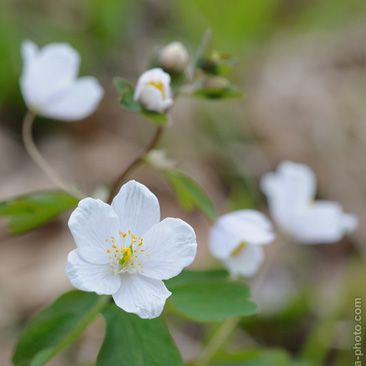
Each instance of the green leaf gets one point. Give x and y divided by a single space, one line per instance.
129 104
57 327
189 194
212 93
132 341
27 212
209 297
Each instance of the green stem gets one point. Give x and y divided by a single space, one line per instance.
133 164
219 338
39 159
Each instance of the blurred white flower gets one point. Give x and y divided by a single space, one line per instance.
174 57
50 86
153 90
236 239
125 251
290 193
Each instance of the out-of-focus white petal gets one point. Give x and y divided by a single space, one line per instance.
153 90
171 245
350 222
232 229
247 262
137 208
49 85
320 222
292 186
92 222
76 101
91 277
141 295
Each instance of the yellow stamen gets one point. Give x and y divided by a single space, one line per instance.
239 249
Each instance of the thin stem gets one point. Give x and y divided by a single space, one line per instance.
39 159
134 163
218 339
229 325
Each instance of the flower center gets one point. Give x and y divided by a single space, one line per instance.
239 249
159 85
125 252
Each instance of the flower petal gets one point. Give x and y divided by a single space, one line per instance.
247 262
321 222
137 207
153 75
236 227
74 102
92 222
292 186
171 246
47 71
91 277
141 295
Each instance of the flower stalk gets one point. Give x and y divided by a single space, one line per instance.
36 156
134 164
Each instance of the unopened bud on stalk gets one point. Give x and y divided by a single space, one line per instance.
174 57
153 91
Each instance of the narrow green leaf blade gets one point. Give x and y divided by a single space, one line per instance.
209 296
30 211
189 193
56 327
132 341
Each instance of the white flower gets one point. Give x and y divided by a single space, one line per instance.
158 158
174 57
153 90
290 192
125 251
49 84
237 238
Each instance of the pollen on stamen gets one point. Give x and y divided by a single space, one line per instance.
114 246
108 251
106 240
132 263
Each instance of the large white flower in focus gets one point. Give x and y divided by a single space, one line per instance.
153 90
50 86
290 193
124 250
236 239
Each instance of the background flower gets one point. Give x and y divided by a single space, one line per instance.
153 90
125 251
237 238
291 192
50 86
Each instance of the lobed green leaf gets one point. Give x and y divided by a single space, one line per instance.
30 211
56 327
209 296
132 341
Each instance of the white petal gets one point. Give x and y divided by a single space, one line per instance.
74 102
152 99
171 245
141 295
91 277
321 222
138 209
292 186
236 227
92 222
47 71
350 223
153 75
246 263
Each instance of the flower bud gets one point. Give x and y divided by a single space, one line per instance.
174 57
153 91
216 83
